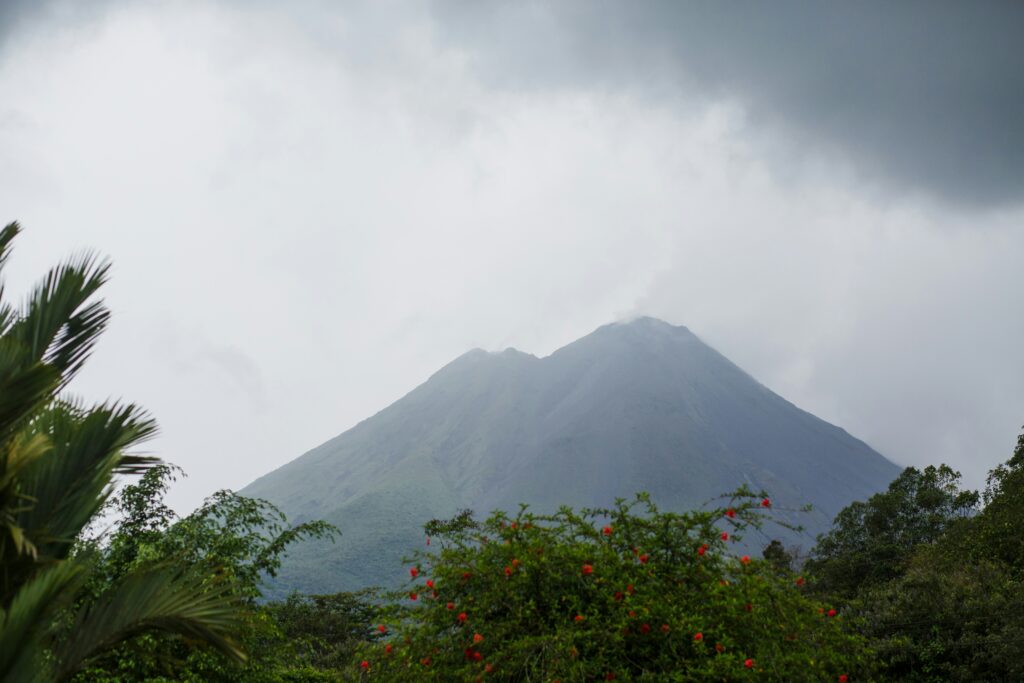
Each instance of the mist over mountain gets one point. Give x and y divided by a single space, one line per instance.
637 406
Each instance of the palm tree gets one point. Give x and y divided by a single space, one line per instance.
58 461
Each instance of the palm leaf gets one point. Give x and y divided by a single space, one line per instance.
158 599
70 484
24 624
57 324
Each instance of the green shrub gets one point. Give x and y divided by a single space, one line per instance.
607 595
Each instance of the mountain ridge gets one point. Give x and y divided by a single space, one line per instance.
639 405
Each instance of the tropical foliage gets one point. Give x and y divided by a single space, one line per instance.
629 593
58 461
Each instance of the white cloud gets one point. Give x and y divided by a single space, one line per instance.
307 218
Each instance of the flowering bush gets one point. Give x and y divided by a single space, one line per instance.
615 594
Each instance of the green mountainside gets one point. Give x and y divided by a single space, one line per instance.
639 406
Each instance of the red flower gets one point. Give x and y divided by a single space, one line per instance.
644 628
629 589
515 562
725 535
477 657
477 638
607 531
745 559
632 613
462 617
430 583
619 596
843 678
766 503
450 605
730 513
800 581
579 617
749 663
643 558
665 628
703 549
382 628
425 661
587 569
466 576
387 648
488 667
831 612
749 607
719 648
508 571
513 525
414 572
364 664
698 636
609 677
413 596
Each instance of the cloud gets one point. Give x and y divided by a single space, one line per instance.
922 97
312 209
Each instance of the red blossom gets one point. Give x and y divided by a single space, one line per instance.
508 571
413 596
477 657
387 648
619 596
766 503
425 661
749 607
665 628
579 617
364 664
382 628
629 589
645 628
831 612
607 531
643 558
730 513
843 678
488 667
749 663
477 638
719 648
414 572
698 636
800 581
588 569
450 605
430 583
462 617
632 613
466 576
609 677
703 549
725 535
745 559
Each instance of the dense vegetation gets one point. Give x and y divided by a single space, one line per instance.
922 582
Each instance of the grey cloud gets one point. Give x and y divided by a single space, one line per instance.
928 96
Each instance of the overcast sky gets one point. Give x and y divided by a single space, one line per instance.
312 206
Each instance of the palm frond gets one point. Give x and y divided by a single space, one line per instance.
24 624
158 599
72 482
57 324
